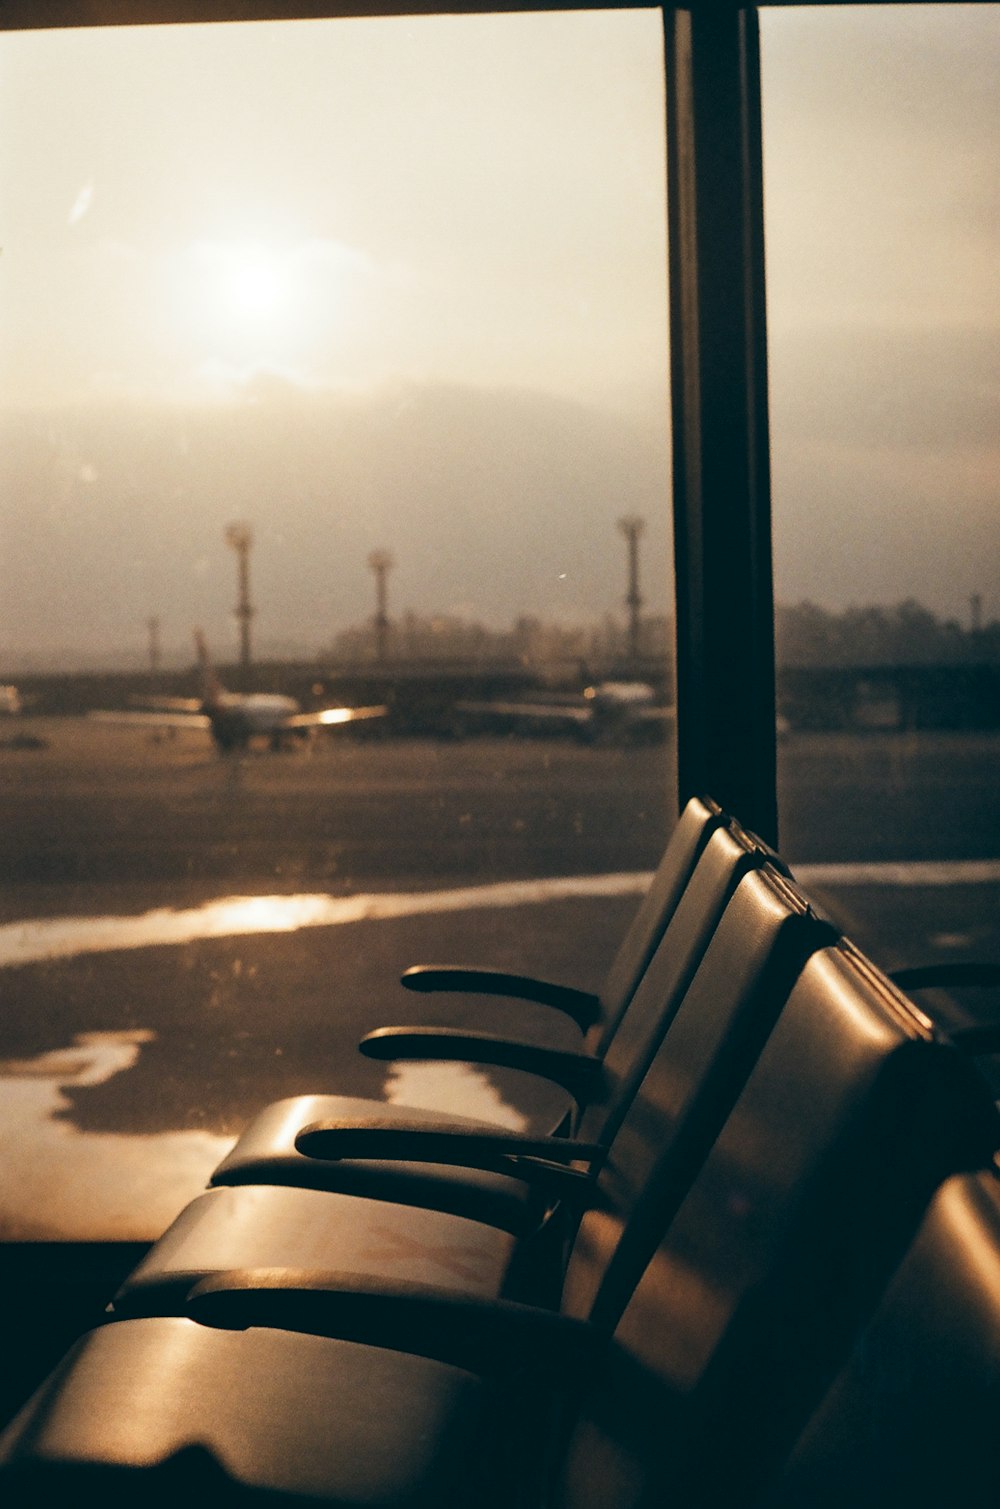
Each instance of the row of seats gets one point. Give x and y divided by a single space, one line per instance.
756 1262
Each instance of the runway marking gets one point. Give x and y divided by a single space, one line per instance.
905 873
35 940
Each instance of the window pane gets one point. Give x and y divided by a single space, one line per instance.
389 297
883 231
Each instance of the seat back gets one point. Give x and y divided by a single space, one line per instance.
698 821
734 1308
728 855
913 1415
675 1089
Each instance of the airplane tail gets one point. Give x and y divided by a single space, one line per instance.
212 690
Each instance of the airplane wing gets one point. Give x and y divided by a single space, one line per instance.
158 704
613 712
331 717
165 719
656 713
528 714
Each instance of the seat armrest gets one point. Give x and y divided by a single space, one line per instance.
547 1160
581 1006
958 973
978 1041
486 1336
578 1073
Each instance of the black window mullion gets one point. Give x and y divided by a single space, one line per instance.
722 512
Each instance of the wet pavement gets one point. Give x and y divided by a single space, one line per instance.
183 939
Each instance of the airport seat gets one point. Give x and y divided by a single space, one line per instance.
912 1415
702 1323
681 1086
599 1081
854 1115
598 1016
699 819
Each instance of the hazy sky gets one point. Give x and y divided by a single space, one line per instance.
342 201
282 230
882 136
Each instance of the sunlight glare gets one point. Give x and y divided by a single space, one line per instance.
254 283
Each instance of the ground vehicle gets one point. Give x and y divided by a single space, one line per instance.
721 493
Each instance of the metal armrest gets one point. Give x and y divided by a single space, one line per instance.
545 1160
976 1041
486 1336
578 1073
581 1006
929 976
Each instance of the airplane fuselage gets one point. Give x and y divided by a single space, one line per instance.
607 712
235 719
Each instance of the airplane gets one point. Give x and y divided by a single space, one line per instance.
609 712
234 718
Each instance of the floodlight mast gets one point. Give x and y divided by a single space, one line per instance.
153 628
632 528
239 535
381 563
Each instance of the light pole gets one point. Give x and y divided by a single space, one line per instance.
240 536
153 625
381 563
632 527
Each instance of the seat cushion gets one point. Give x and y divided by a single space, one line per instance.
267 1226
158 1411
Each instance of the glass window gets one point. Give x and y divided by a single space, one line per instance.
345 344
881 147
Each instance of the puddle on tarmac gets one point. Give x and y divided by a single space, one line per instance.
58 1183
453 1089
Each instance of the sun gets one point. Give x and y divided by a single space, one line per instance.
244 303
240 284
253 282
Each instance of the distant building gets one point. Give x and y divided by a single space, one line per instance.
530 641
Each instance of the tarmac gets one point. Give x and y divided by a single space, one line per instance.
184 938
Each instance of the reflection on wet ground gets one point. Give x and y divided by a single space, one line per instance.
35 940
32 941
201 928
57 1182
453 1088
58 1178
